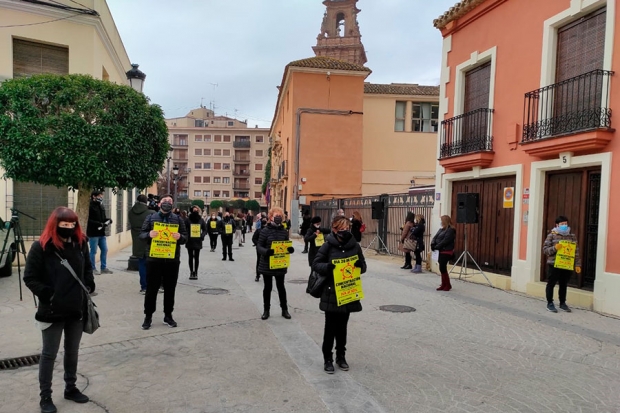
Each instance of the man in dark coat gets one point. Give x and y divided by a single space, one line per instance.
95 231
137 214
310 237
227 229
303 229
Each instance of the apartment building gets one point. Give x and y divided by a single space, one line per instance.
218 157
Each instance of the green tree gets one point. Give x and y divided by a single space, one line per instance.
200 203
79 132
238 204
216 204
252 205
267 177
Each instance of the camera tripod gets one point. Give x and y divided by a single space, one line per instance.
464 255
381 243
19 246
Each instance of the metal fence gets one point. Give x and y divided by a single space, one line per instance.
388 229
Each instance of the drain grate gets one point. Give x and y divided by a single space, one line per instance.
397 308
15 363
213 291
298 281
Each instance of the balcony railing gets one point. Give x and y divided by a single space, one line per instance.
577 104
241 144
241 187
241 159
467 133
241 173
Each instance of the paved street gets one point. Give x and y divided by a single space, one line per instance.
474 349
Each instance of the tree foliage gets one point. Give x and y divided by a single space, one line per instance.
267 177
252 205
79 132
200 203
237 204
216 204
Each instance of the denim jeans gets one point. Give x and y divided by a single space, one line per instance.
51 343
101 242
142 271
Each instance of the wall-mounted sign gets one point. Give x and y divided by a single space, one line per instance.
509 196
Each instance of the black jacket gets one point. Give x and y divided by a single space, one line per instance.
96 219
137 215
310 237
267 235
172 219
213 231
221 227
418 235
356 229
255 236
333 249
61 298
306 223
195 243
444 239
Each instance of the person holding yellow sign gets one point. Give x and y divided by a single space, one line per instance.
562 253
213 230
315 238
197 228
227 228
274 248
342 262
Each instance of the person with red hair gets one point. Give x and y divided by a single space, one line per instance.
62 301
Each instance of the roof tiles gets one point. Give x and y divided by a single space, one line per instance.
457 11
322 62
401 89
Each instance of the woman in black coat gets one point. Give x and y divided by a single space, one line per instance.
311 235
418 235
339 244
62 300
194 242
273 231
356 226
255 237
213 230
443 241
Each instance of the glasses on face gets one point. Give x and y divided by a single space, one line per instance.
64 224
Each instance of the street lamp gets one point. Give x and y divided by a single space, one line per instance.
136 78
170 153
175 172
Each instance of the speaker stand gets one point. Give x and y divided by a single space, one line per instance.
463 258
377 237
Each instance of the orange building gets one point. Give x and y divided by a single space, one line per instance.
526 97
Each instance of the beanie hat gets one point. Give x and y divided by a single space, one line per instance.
316 220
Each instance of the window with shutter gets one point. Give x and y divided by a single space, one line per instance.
31 58
475 124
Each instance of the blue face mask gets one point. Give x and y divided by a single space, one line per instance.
563 228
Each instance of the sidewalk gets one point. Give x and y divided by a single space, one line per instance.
473 349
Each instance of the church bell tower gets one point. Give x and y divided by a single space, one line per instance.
340 36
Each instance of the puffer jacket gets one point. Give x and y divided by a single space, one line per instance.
553 238
268 234
221 227
310 238
137 215
333 249
444 239
195 243
61 298
172 218
418 234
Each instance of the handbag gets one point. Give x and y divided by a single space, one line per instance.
410 244
316 284
91 321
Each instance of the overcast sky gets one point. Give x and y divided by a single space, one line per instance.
187 47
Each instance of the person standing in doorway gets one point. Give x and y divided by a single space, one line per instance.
227 230
162 270
418 235
213 230
273 231
443 241
95 231
137 215
197 230
556 272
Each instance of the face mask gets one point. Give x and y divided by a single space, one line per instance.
344 235
563 229
65 232
213 217
277 220
166 207
194 212
100 200
317 225
263 222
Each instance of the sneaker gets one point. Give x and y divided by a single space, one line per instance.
147 323
551 307
328 367
304 252
75 395
107 271
564 307
230 259
257 279
47 405
143 291
96 272
169 321
93 294
193 276
342 364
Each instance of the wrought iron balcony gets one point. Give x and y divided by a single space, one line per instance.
241 159
241 173
467 133
574 105
241 144
241 186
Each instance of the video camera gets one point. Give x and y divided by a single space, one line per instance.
152 202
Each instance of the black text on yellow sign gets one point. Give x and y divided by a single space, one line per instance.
163 245
194 231
347 280
281 258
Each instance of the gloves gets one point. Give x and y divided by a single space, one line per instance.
290 250
358 264
557 246
331 267
578 270
270 252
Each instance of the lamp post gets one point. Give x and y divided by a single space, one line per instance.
175 172
136 78
170 153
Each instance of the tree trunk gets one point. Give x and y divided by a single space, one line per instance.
82 206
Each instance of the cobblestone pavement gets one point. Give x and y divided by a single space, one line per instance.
473 349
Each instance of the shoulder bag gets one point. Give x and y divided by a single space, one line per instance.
316 284
91 321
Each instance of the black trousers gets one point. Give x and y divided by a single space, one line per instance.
160 272
227 241
257 262
443 262
555 276
335 328
194 259
407 258
268 279
418 257
306 246
213 241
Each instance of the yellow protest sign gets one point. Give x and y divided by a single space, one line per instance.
285 225
194 231
163 245
347 280
228 229
320 240
281 258
565 257
213 224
